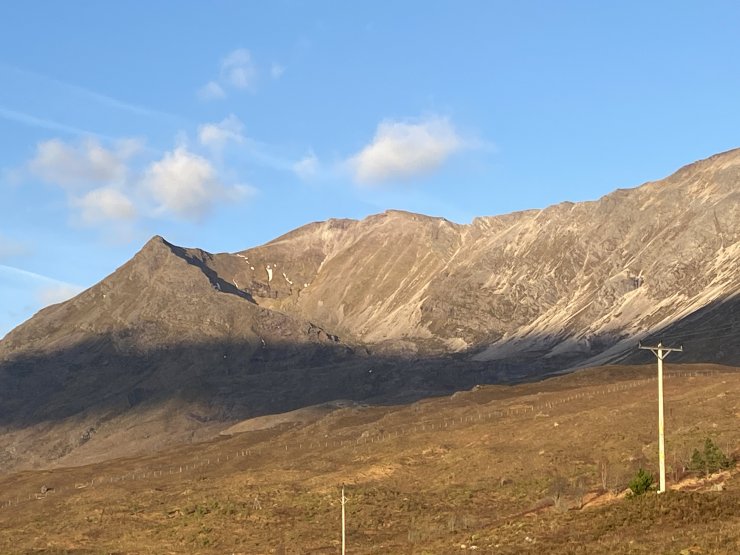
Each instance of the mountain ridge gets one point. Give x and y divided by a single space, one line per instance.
395 306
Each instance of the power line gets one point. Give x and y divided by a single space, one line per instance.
692 333
676 335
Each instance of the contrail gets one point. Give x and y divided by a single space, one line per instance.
34 276
92 95
33 121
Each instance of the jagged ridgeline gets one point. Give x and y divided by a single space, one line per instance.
179 343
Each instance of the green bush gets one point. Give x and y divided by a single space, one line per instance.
641 483
709 461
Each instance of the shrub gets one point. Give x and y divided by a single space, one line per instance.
641 483
709 461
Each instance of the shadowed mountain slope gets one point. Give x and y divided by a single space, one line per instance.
178 343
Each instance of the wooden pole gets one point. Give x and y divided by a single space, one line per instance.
661 352
343 522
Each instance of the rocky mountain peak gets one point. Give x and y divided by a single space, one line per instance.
396 304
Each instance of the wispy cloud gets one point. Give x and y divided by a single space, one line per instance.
43 123
217 135
307 167
264 154
22 293
11 248
276 70
211 91
237 71
88 94
406 149
33 278
57 293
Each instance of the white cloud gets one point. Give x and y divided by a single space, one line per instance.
217 135
87 163
211 91
106 187
307 167
127 148
238 70
403 149
56 293
104 205
240 192
276 71
93 175
184 184
10 248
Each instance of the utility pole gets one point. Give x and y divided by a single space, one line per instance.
343 535
661 352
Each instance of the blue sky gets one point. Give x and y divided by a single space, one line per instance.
225 124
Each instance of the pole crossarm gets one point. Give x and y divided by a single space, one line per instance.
659 350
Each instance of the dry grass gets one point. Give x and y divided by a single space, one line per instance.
512 484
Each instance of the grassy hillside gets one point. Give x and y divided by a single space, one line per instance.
538 467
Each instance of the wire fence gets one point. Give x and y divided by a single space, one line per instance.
276 447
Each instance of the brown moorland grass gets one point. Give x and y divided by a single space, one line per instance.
537 467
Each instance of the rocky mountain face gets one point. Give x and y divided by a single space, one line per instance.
178 343
571 281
